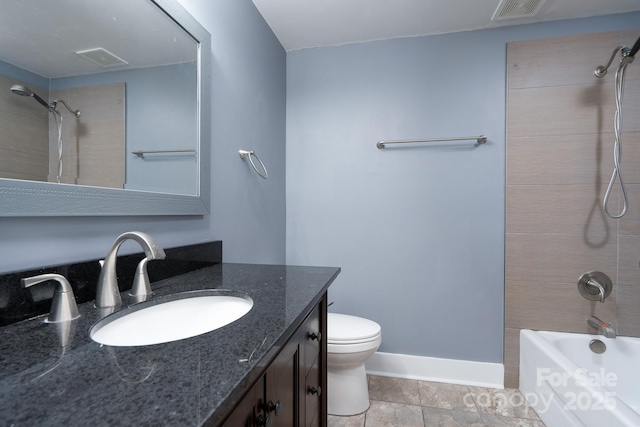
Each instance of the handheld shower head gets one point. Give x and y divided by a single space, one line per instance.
25 91
21 90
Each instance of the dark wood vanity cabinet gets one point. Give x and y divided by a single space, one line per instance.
312 385
249 409
291 392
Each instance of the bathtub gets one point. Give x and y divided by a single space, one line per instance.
569 385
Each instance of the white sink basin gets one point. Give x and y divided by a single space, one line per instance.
171 318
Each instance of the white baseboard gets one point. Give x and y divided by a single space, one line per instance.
464 372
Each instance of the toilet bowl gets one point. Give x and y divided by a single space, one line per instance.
351 340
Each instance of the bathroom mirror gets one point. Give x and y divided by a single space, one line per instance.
139 72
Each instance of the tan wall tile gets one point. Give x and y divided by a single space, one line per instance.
103 102
560 110
23 133
560 209
630 155
553 307
93 144
511 357
630 223
630 106
629 263
98 137
628 312
559 60
557 258
568 159
23 165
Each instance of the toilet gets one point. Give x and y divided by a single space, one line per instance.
351 340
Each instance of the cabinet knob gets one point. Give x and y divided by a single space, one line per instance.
263 421
274 407
315 390
314 336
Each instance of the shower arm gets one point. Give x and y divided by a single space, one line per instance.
602 70
54 104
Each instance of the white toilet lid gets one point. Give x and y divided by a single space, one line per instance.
346 328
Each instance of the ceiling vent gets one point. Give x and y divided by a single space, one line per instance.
511 9
102 57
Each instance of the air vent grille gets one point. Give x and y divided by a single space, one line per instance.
510 9
102 57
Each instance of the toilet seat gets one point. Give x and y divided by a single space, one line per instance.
343 329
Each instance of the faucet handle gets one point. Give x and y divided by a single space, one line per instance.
141 284
63 307
594 286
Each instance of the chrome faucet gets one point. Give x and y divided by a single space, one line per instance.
108 294
602 327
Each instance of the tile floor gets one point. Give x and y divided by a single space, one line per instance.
398 402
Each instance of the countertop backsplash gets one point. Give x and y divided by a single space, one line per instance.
17 303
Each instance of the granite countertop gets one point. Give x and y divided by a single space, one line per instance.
183 383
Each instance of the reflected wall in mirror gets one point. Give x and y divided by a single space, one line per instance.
103 94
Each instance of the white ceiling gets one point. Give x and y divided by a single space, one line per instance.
43 36
300 24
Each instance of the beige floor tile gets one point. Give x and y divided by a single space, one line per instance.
354 421
499 421
442 405
446 396
505 403
396 390
438 417
388 414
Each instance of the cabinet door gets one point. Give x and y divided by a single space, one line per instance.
281 385
311 338
248 411
313 349
313 396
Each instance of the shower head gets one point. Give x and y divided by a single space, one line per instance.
25 91
21 90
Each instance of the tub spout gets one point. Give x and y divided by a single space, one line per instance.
602 327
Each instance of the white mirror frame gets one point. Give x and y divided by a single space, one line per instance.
32 198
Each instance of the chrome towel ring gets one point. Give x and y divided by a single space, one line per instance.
245 153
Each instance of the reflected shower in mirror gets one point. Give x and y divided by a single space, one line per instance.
128 67
58 118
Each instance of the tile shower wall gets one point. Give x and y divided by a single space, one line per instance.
23 132
559 161
93 144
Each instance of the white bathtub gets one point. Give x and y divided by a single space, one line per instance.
569 385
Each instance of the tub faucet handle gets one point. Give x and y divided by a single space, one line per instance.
63 306
597 285
594 286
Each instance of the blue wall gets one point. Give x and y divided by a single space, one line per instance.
22 74
248 111
160 115
418 232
